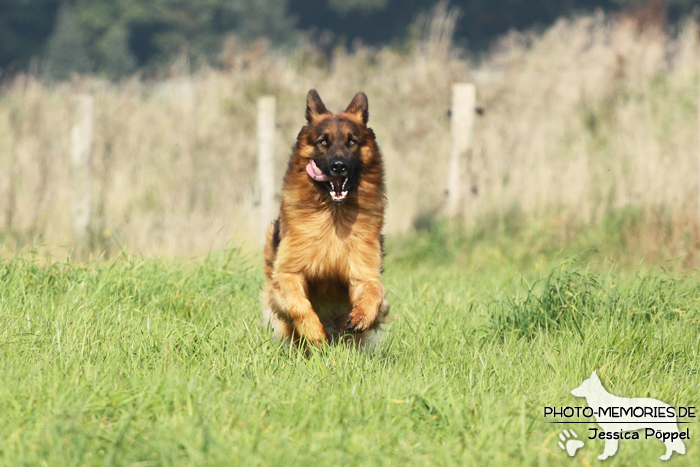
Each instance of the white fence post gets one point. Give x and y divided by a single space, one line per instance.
462 128
81 174
266 149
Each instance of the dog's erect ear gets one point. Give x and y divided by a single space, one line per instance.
358 108
314 106
594 375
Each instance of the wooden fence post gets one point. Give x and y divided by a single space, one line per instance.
462 128
81 174
266 149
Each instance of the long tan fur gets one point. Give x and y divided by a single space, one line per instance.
323 260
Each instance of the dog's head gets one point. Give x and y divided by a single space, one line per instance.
334 146
589 387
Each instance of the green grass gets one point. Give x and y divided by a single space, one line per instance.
142 362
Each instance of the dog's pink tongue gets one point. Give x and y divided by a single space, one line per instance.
315 173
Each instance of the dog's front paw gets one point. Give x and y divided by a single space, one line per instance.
359 320
312 331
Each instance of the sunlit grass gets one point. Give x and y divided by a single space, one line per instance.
139 361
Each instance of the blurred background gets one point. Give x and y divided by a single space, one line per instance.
586 117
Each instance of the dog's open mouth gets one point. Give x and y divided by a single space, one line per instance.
337 187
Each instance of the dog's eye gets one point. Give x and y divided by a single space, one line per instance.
323 143
351 142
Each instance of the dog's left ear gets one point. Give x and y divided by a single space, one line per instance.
314 106
358 108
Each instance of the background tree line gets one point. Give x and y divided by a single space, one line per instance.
116 37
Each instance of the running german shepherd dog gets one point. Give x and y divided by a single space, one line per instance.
323 255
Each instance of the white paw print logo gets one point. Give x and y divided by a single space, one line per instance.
568 443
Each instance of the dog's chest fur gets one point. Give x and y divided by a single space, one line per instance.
325 244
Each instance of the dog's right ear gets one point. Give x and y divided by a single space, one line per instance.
314 106
594 375
358 107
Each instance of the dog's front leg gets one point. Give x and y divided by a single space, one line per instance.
609 450
295 292
366 297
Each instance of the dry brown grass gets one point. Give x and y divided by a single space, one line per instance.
589 116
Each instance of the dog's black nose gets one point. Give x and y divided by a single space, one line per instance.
339 168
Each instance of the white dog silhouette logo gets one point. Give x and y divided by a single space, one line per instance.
613 424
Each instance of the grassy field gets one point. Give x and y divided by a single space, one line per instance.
137 361
582 181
